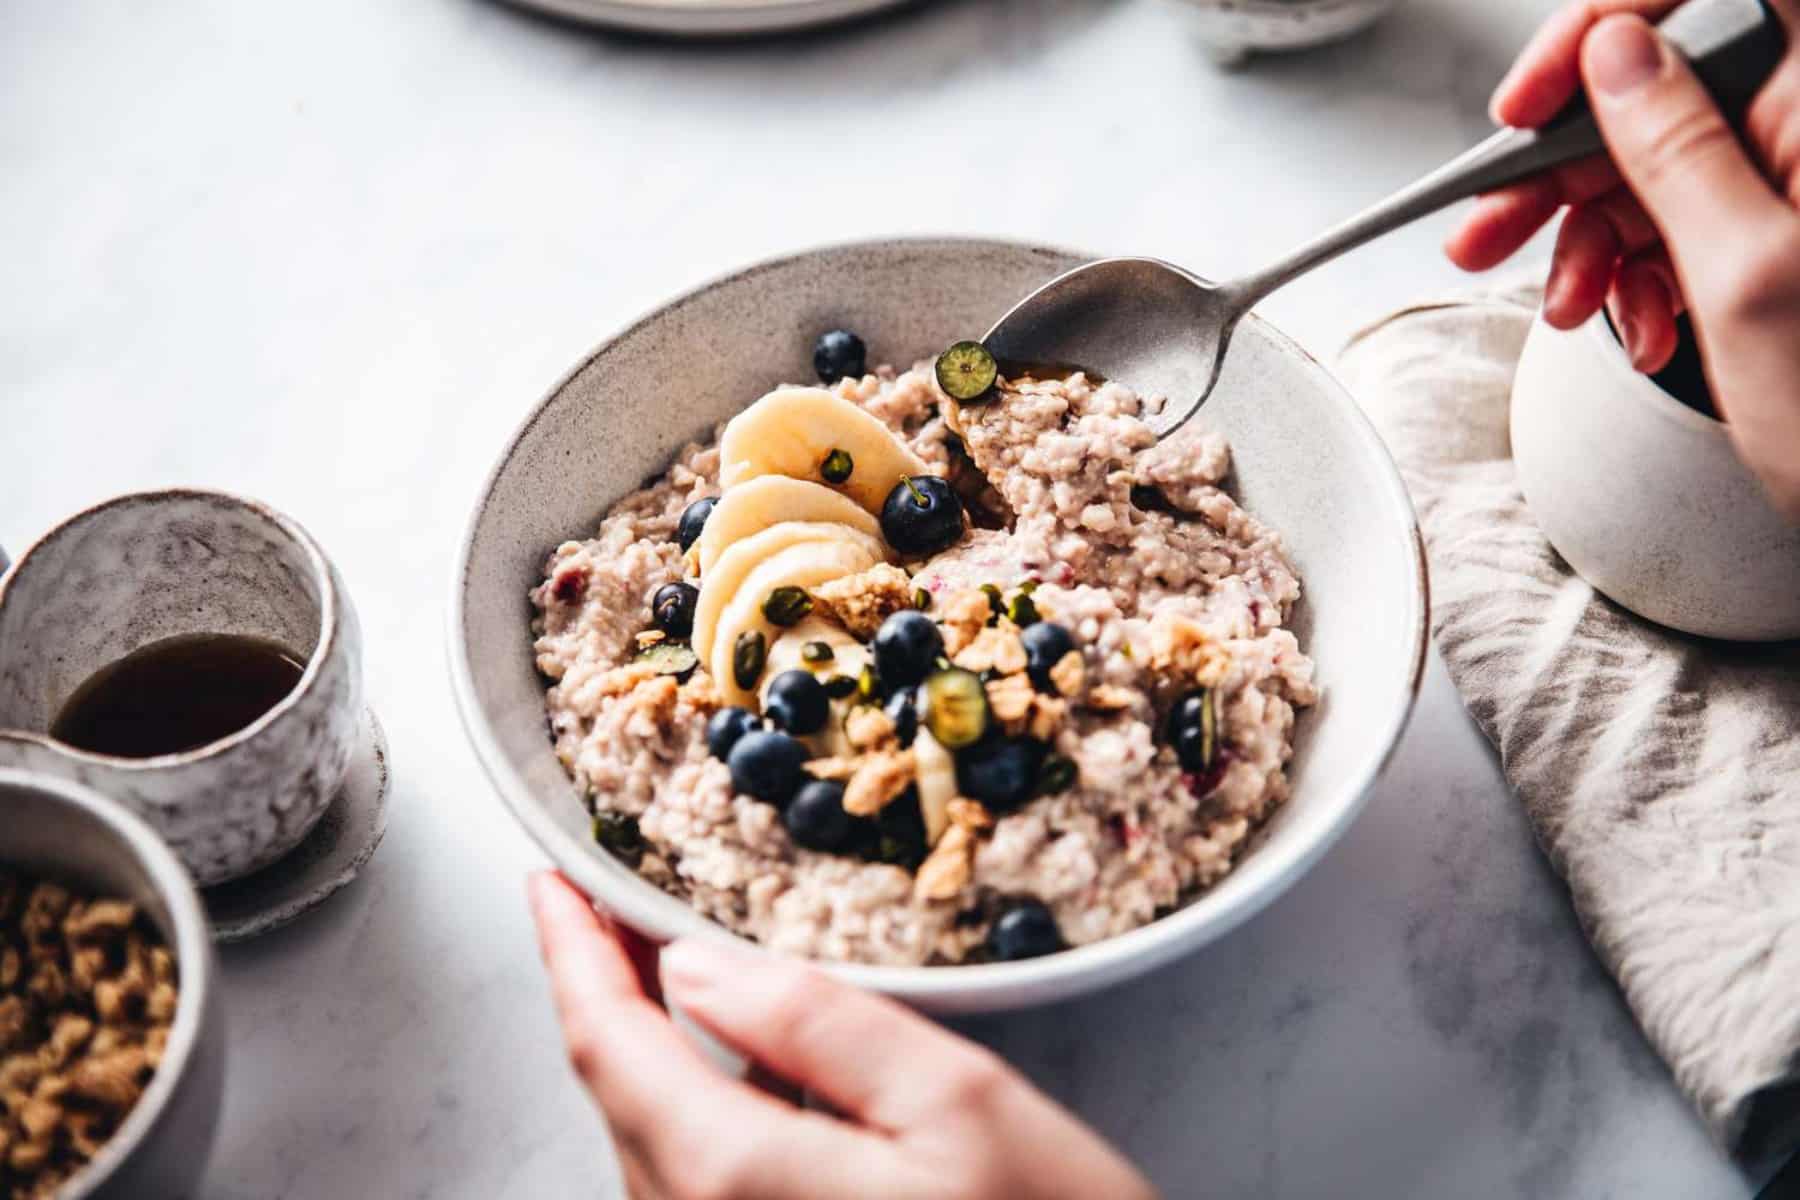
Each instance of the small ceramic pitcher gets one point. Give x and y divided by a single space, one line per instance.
1645 497
157 565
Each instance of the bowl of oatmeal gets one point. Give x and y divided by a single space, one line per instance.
791 615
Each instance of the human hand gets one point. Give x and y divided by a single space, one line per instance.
925 1112
1678 215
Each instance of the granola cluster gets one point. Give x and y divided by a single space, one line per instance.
87 996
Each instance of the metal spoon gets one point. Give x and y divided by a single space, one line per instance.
1164 330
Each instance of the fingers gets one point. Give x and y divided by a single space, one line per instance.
1594 236
682 1126
1643 307
1505 220
1676 152
871 1058
1547 73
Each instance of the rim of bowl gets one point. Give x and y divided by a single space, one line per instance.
328 624
193 961
1612 355
683 18
1109 960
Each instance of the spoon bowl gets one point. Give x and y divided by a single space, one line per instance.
1138 319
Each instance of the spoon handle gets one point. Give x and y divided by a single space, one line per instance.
1733 45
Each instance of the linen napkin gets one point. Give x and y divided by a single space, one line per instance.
1660 772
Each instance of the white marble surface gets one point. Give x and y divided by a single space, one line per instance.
327 253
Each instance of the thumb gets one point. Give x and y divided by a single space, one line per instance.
1674 148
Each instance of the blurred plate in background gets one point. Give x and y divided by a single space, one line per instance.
709 18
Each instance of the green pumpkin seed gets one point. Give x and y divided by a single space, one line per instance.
839 687
954 706
1209 729
748 657
837 466
816 653
620 835
921 599
670 658
1022 611
868 686
996 603
1056 775
787 606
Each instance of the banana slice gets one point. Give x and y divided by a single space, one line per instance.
752 506
848 657
803 564
719 585
937 783
791 430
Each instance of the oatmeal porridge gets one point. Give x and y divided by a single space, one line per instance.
928 667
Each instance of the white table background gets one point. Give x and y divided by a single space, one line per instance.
328 253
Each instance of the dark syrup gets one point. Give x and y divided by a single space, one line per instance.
177 694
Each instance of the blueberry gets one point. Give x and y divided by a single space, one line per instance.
903 711
1002 773
1045 644
1025 930
922 515
726 727
816 819
839 354
906 648
693 520
672 608
797 703
1193 730
767 766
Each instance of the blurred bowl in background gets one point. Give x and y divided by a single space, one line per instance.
1232 30
709 18
1644 495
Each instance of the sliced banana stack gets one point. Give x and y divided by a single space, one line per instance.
793 431
748 508
720 585
744 627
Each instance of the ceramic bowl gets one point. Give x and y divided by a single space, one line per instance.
52 827
1306 461
155 565
1645 497
709 18
1234 29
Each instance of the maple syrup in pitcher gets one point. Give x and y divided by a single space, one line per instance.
177 694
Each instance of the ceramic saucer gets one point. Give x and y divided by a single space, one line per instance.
330 857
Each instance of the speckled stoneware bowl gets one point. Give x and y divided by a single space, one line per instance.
57 829
1232 30
1307 462
709 18
157 565
1645 497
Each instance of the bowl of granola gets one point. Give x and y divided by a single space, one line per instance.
791 615
112 1047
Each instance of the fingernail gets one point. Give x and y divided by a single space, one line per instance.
699 962
1632 335
1553 295
1623 54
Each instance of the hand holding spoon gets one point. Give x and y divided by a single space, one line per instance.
1165 330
